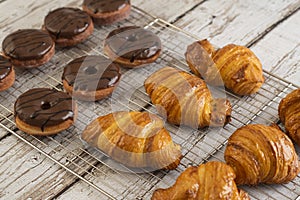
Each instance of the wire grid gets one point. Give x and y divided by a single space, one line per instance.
198 146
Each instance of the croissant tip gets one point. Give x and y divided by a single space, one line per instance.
175 164
221 112
243 195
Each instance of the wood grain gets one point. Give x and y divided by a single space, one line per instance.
168 10
28 174
280 50
238 22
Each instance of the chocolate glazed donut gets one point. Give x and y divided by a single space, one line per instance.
28 47
43 111
132 46
107 11
91 78
7 74
68 26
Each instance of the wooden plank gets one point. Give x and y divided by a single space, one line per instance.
280 50
238 22
26 173
22 168
167 10
81 191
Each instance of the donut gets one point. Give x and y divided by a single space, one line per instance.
44 111
28 48
68 26
7 74
132 46
91 78
107 11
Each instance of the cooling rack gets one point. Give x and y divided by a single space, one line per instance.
114 181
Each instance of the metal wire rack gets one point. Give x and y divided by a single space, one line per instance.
98 170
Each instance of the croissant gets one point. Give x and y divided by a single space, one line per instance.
184 99
261 154
135 139
213 180
235 67
289 114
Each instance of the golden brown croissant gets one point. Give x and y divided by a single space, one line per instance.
135 139
235 67
185 99
289 113
213 180
261 154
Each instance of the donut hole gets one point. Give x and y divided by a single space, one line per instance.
96 11
90 70
132 38
132 59
45 105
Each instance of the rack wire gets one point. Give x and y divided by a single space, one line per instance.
198 146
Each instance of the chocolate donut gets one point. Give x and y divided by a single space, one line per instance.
28 47
68 26
107 11
7 74
91 78
132 46
43 111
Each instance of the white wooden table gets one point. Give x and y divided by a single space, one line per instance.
271 28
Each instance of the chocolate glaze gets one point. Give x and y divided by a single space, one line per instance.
5 67
67 22
27 44
104 6
90 73
134 43
44 107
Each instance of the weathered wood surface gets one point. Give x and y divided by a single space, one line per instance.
26 173
280 50
270 27
240 22
31 13
167 10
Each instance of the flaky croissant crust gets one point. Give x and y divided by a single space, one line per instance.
213 180
261 154
185 99
289 113
234 66
135 139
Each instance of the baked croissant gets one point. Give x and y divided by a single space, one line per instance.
261 154
213 180
289 113
135 139
185 99
235 67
